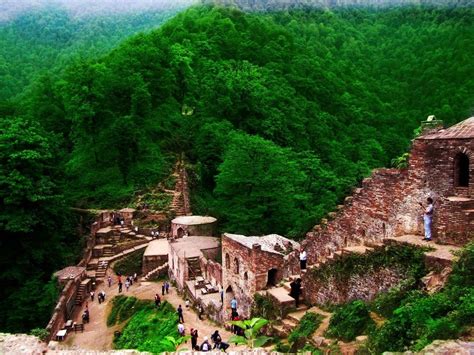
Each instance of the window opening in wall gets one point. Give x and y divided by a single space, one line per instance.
227 261
236 266
180 232
461 170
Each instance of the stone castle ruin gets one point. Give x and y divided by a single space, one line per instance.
384 210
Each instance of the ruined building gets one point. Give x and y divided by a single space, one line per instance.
387 203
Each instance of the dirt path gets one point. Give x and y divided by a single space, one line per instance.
97 336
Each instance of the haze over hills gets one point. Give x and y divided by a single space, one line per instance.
263 5
12 8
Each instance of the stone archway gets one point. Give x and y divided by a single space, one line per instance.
180 232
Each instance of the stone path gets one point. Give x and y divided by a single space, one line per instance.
97 336
442 252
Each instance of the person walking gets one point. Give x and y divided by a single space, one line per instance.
167 287
157 300
127 285
120 287
92 293
427 218
194 339
296 291
109 281
180 313
163 289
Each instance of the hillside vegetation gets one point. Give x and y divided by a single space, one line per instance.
279 115
44 41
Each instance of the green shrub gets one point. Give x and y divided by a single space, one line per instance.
408 260
349 321
385 303
264 307
422 318
308 324
124 307
41 333
147 329
130 264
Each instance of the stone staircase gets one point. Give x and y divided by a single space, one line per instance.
180 203
108 251
194 267
292 320
101 269
155 272
80 294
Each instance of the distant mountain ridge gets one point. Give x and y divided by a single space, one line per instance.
9 9
264 5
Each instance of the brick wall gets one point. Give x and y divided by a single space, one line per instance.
152 262
364 287
252 275
386 204
211 270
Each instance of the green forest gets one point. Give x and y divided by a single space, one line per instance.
45 41
279 115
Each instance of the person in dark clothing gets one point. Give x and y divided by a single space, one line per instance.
194 339
180 313
218 343
157 300
120 286
296 291
200 311
163 289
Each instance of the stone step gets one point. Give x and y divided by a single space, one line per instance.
289 324
281 296
358 249
280 331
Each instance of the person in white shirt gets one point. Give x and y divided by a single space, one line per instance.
181 329
427 217
303 258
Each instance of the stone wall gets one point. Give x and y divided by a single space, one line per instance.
211 270
64 308
152 262
251 274
364 286
387 203
65 305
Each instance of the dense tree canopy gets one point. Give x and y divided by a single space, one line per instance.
328 95
279 115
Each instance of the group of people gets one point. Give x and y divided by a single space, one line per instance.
100 296
205 346
165 288
129 280
117 219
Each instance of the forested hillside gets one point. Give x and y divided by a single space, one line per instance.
279 115
48 39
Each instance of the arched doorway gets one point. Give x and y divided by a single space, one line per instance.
272 277
461 170
180 232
